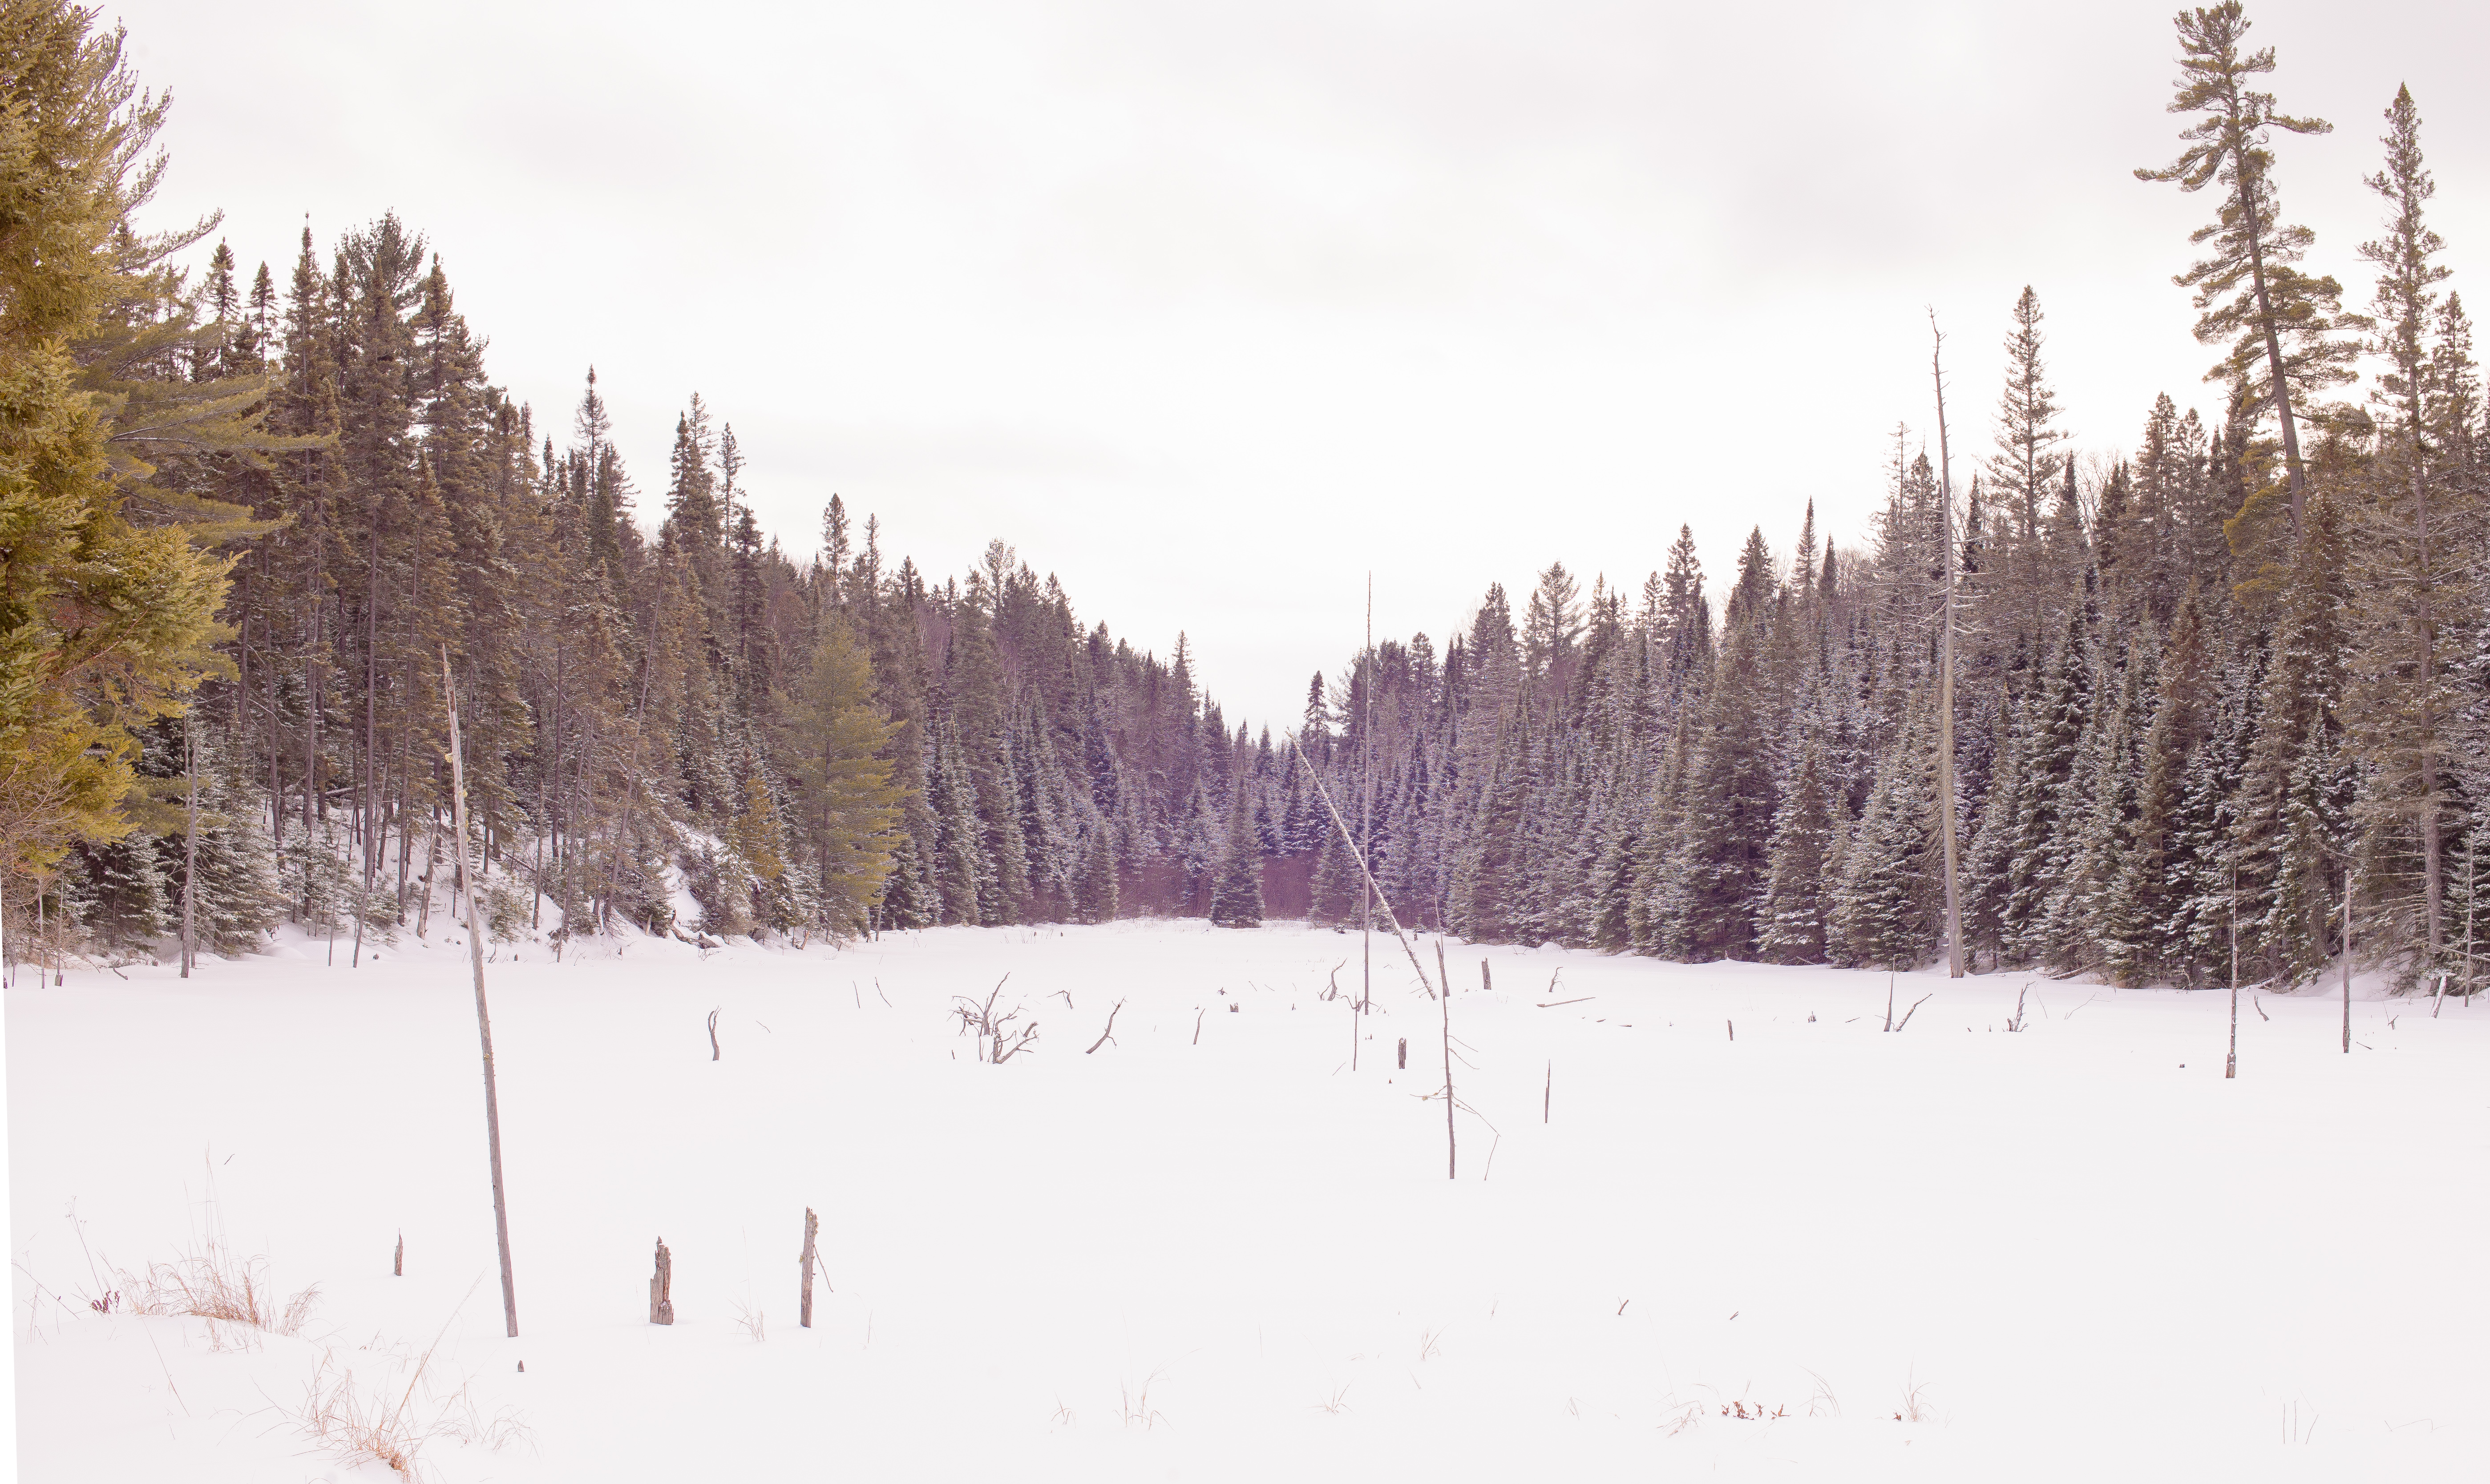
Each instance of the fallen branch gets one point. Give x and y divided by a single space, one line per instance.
1915 1005
1575 1001
1104 1034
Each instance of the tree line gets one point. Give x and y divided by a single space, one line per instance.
2202 689
2199 689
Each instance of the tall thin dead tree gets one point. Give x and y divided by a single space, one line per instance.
191 850
466 880
2231 1063
2347 960
1944 665
1366 807
1394 924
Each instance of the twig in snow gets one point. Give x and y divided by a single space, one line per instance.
1103 1035
1914 1009
1575 1001
713 1036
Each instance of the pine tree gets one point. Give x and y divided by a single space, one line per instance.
2279 325
848 802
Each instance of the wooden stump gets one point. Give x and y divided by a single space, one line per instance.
661 1287
397 1264
1404 1054
812 1229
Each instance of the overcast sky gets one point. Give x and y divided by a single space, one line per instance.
1211 309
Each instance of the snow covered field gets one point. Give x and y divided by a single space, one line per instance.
2055 1254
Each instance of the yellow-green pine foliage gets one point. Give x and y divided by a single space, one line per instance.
102 624
849 808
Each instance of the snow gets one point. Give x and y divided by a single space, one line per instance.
1240 1259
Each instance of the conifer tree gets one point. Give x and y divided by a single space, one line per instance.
1236 896
2276 324
848 802
2404 697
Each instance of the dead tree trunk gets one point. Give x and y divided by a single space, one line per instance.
1945 671
661 1287
812 1229
483 1019
1444 1003
190 852
398 1263
2347 960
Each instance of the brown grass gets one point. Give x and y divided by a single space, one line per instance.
211 1282
359 1425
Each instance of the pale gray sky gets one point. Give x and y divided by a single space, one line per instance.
1212 308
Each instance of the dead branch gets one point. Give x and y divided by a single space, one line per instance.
1107 1034
1915 1005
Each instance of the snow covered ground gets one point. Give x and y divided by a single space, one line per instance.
1211 1250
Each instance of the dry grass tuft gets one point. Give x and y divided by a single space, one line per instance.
359 1425
1915 1406
755 1321
1136 1408
211 1282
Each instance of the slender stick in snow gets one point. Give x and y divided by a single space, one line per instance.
1444 1003
190 852
2347 960
2231 1063
484 1019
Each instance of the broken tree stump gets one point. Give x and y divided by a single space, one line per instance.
812 1229
661 1287
397 1264
1404 1054
1487 981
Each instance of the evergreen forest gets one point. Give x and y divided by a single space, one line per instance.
2216 705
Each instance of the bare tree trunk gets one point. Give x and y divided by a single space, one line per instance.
431 859
2432 845
484 1019
1366 809
2231 1063
661 1287
812 1229
190 851
1444 1004
1945 671
2347 960
1390 922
